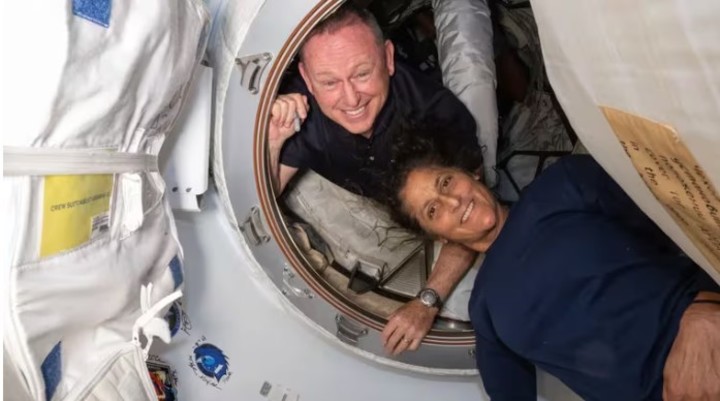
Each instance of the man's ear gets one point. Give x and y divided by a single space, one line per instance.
390 57
306 77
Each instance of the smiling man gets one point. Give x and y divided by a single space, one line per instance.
350 100
340 119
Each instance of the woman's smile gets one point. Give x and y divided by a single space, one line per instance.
452 205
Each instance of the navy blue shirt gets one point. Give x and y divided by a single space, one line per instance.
583 285
359 164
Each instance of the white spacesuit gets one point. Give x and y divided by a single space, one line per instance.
93 258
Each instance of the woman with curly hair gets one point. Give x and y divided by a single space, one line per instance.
576 281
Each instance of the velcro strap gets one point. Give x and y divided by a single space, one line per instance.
19 161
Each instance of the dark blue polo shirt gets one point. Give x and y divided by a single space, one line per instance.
359 164
583 285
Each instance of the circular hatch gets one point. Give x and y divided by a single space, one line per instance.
332 298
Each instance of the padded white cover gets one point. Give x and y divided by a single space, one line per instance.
657 59
465 49
356 229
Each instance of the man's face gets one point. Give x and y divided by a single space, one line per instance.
349 75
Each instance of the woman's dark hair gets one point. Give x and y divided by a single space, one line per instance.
422 145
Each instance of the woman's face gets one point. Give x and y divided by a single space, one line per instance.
451 204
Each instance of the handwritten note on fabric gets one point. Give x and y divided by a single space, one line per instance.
674 177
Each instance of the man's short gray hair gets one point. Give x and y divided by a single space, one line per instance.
346 15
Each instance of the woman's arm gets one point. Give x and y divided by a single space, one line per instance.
692 369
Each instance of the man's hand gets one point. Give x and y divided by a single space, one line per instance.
407 326
692 369
282 116
287 114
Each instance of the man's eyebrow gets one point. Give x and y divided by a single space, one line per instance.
354 69
364 64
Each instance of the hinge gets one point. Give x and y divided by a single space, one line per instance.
349 331
253 229
251 70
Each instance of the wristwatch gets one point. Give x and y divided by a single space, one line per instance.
430 298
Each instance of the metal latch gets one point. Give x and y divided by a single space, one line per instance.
251 70
290 288
252 228
349 331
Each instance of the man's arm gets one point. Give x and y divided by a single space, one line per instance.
410 323
281 173
287 114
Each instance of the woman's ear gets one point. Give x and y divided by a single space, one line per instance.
478 174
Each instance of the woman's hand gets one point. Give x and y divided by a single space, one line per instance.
407 326
692 369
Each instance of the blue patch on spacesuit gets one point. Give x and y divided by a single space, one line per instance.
97 11
211 361
176 270
51 369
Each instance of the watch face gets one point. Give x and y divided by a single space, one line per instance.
428 298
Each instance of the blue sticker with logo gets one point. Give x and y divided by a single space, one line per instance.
177 319
211 361
174 318
97 11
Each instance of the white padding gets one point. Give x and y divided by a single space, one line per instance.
124 377
656 59
465 49
356 229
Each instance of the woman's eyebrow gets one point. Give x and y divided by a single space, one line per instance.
427 202
438 180
423 211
